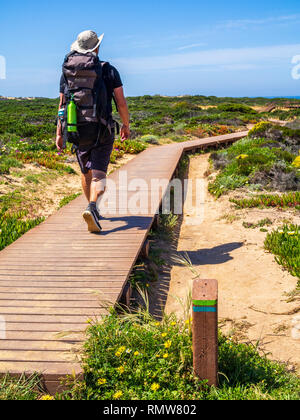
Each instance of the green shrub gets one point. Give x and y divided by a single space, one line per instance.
291 199
256 161
224 183
259 129
32 179
8 162
13 226
150 139
22 388
68 199
260 223
244 109
284 243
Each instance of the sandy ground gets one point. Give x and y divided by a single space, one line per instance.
252 286
44 197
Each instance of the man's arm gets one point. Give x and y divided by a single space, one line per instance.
59 138
123 111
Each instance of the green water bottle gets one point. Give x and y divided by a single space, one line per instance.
72 116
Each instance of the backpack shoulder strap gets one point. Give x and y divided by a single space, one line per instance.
109 76
63 70
67 56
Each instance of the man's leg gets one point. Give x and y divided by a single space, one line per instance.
97 185
94 186
86 180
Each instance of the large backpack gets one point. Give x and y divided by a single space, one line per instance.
84 79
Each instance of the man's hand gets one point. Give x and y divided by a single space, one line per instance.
123 111
125 132
59 143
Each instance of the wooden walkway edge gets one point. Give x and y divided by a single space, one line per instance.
54 277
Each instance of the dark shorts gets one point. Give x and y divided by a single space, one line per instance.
90 157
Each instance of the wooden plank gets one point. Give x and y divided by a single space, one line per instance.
101 269
77 284
59 290
59 297
39 356
38 345
62 263
76 337
54 327
54 303
69 273
42 310
53 369
44 318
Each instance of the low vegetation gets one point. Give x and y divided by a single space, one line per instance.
260 224
14 225
136 357
287 200
67 199
284 243
23 388
266 159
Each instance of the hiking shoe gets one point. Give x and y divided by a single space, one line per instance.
93 207
91 216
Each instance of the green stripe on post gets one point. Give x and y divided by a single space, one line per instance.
204 302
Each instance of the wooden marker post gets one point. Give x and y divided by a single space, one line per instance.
205 330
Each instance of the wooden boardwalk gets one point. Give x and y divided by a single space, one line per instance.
54 277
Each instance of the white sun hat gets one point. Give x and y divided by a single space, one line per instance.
87 41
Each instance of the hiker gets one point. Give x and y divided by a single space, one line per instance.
90 85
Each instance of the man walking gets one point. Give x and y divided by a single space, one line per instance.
92 84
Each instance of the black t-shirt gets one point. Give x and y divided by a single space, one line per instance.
113 82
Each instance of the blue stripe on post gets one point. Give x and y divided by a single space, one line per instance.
204 309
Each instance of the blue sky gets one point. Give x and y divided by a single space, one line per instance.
222 48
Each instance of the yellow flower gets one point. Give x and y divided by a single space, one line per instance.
166 355
164 334
136 353
121 349
117 395
296 162
147 284
118 353
173 324
46 398
188 321
121 369
157 324
101 381
241 156
155 386
168 344
89 321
